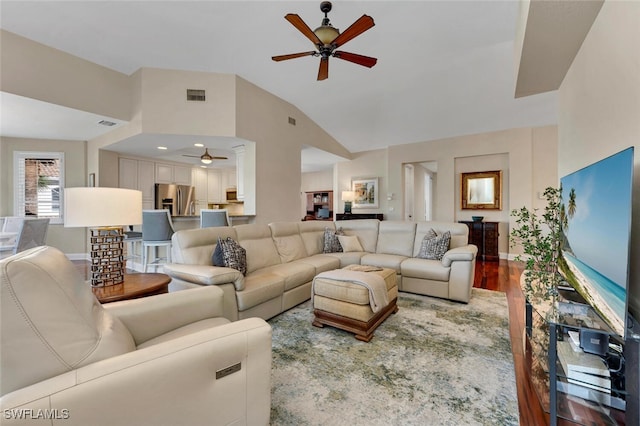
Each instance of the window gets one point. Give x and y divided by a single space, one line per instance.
39 180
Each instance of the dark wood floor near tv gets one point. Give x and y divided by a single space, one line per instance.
500 276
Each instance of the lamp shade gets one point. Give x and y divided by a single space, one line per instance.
348 195
97 207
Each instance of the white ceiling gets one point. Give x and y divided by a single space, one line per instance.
445 68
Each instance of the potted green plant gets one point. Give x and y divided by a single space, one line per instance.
540 236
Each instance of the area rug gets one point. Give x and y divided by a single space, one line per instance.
434 362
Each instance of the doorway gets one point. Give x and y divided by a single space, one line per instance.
420 183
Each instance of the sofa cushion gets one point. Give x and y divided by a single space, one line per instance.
331 242
321 262
396 237
312 234
390 261
259 287
294 273
288 241
434 246
261 250
234 255
425 268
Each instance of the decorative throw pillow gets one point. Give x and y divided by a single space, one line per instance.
331 242
434 246
235 256
217 259
350 243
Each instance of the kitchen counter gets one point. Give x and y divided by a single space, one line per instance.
193 221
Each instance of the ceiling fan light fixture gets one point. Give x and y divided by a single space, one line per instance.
326 33
206 158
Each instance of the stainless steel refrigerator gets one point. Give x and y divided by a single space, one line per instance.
178 199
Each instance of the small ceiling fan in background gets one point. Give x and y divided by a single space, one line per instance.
327 39
205 158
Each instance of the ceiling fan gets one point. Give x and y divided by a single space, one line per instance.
205 158
327 39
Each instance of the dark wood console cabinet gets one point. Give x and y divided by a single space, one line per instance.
485 236
353 216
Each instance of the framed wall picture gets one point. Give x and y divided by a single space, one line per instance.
481 191
366 193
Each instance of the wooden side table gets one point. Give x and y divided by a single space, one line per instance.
133 287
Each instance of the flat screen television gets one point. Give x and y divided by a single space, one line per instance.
596 214
323 213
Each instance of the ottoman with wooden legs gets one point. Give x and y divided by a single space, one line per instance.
357 299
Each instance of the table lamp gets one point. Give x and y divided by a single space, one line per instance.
348 197
105 211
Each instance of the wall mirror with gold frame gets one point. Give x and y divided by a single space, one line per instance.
481 190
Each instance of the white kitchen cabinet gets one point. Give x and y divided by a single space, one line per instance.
199 178
215 189
182 175
169 173
164 173
128 173
140 175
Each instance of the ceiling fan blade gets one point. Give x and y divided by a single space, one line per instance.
292 56
302 27
364 23
194 156
220 158
365 61
323 71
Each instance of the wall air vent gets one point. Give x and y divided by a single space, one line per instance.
106 123
195 95
292 121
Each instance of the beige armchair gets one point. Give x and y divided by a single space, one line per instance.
162 360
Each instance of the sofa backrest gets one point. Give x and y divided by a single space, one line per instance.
195 246
288 241
51 321
257 241
312 234
459 233
396 237
365 229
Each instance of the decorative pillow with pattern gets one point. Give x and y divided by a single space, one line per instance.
434 246
235 256
331 242
217 259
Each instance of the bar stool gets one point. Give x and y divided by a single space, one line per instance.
214 217
157 230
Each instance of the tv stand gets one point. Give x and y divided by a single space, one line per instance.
572 385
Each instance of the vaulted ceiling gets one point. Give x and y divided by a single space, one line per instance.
445 68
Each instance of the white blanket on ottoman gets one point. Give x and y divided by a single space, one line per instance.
373 282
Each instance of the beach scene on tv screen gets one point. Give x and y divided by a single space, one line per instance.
596 223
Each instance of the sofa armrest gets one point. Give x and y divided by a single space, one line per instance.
147 318
140 387
464 253
205 274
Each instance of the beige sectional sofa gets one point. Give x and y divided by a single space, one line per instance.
284 257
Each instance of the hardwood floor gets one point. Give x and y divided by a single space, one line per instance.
505 276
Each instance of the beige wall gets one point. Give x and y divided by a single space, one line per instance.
599 107
263 119
531 154
69 240
36 71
